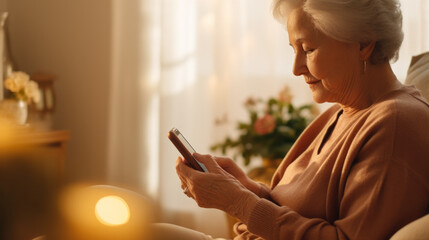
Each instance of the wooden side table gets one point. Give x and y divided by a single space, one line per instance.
31 177
51 143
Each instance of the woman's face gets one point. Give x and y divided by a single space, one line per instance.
331 68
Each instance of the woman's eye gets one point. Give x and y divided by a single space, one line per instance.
307 51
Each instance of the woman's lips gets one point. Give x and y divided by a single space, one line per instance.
310 82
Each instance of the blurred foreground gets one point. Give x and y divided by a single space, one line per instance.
35 203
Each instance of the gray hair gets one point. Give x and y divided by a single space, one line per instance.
353 21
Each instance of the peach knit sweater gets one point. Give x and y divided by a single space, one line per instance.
350 176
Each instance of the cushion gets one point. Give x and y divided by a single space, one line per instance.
416 230
418 73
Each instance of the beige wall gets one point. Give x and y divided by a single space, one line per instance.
72 40
3 5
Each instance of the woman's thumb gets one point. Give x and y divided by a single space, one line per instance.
207 160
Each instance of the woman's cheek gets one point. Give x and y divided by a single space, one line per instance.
315 72
316 68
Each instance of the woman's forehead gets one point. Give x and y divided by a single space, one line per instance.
300 25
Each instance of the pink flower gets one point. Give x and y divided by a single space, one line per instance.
265 125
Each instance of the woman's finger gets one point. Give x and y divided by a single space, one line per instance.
183 169
208 161
224 161
228 165
185 173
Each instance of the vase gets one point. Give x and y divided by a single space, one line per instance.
15 111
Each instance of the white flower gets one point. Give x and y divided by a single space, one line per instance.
24 89
32 91
17 81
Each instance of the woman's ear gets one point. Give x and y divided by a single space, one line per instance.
366 50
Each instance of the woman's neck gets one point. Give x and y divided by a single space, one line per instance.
378 80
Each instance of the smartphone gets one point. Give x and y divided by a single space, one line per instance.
185 149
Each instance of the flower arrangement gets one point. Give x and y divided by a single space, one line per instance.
22 87
273 126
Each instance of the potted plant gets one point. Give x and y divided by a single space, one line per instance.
272 127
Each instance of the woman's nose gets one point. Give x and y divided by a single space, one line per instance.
299 66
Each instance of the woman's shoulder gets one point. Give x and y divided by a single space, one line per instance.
406 121
409 96
402 112
402 115
403 106
405 103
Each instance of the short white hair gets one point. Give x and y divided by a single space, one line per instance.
360 21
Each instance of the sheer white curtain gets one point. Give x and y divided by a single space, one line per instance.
215 53
184 63
134 105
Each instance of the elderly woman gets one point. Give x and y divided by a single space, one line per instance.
360 170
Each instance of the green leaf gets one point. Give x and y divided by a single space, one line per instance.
290 122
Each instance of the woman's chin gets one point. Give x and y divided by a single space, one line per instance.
318 98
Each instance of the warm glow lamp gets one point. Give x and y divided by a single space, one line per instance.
112 210
105 212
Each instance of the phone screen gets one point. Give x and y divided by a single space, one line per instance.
185 142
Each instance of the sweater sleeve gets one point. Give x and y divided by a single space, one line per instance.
264 191
384 187
373 208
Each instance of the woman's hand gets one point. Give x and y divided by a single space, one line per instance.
232 168
217 188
